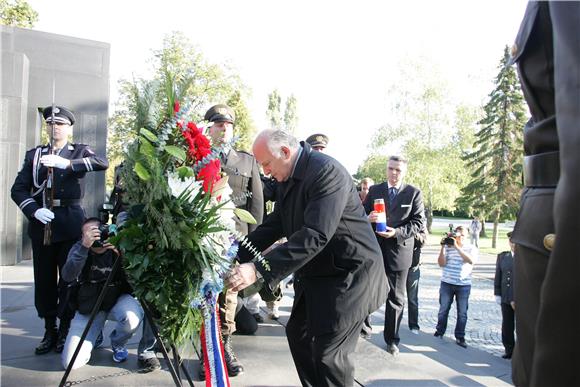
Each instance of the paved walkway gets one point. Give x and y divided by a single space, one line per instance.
423 361
483 329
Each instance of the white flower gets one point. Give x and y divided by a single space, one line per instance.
178 186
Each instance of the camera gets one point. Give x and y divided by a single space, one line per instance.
449 238
106 231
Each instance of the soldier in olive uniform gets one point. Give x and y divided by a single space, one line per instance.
547 267
244 180
70 163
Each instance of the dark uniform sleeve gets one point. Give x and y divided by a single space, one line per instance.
257 202
88 161
497 278
21 191
556 345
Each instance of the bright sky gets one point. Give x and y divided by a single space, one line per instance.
337 57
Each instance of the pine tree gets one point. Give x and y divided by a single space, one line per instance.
496 160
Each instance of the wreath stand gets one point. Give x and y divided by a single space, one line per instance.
173 368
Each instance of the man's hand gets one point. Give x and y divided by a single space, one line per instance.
390 233
55 161
373 216
44 215
513 305
90 236
241 276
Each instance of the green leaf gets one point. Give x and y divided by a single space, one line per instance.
184 171
141 171
176 152
146 148
148 135
245 216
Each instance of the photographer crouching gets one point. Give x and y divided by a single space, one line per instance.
90 261
456 259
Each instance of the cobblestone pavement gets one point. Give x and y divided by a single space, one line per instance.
483 329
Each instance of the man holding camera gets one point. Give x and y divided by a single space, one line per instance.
68 163
90 261
456 259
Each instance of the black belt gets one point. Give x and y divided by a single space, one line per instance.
66 202
542 170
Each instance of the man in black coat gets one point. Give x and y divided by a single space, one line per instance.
504 296
331 250
547 52
404 207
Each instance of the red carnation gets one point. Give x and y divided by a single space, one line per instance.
210 173
176 106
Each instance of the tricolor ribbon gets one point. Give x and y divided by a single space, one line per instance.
216 374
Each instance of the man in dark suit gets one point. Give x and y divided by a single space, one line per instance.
504 296
404 206
331 249
547 53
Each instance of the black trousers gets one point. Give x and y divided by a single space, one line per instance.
395 305
530 270
507 327
49 290
323 360
413 277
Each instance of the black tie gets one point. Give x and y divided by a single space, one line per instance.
392 194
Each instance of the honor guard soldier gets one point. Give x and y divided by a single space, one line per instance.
318 142
547 231
48 189
244 180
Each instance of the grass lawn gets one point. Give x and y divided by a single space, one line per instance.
437 233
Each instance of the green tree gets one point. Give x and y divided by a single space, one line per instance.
194 82
273 112
496 159
245 128
374 166
427 128
291 114
17 13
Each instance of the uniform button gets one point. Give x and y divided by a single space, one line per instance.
549 241
514 50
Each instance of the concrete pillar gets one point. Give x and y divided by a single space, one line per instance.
13 115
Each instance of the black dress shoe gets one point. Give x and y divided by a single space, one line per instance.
48 342
506 356
461 343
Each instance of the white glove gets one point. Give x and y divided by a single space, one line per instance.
498 299
44 215
55 161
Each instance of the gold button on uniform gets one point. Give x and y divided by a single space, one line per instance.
549 240
514 50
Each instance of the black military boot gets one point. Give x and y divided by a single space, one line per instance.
61 337
48 341
234 366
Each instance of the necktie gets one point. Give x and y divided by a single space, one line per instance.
392 194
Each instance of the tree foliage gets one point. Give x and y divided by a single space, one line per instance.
430 131
200 84
274 110
496 158
291 114
17 13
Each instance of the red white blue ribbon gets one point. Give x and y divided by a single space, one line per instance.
216 374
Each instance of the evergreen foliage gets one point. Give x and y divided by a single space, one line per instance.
496 159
